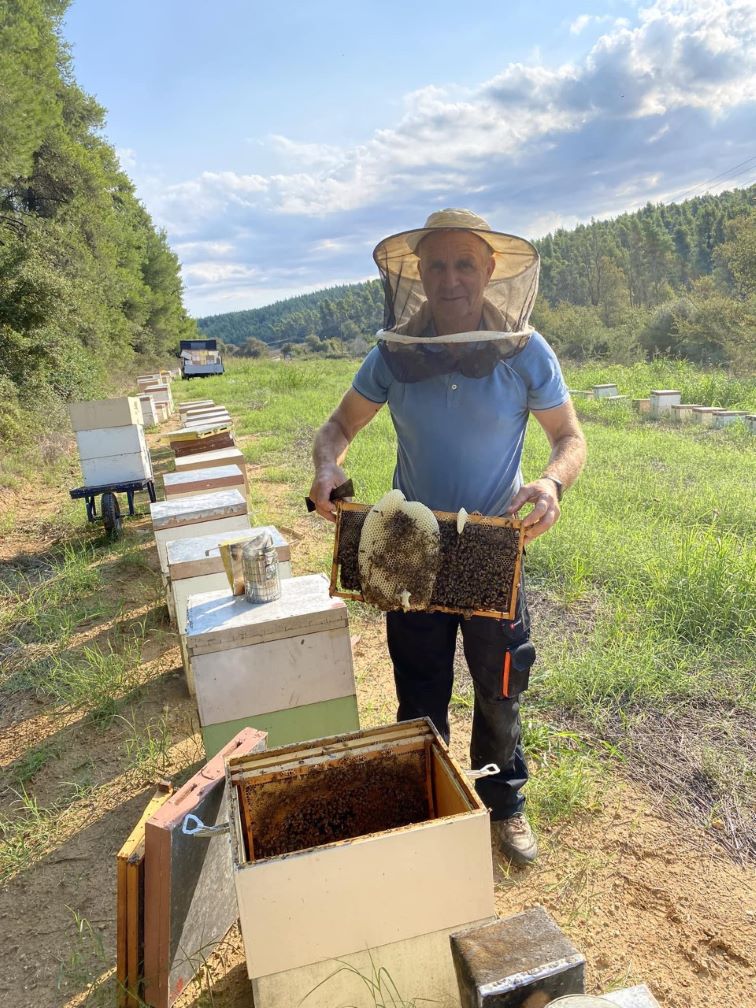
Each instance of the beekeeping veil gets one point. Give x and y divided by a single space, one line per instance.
408 341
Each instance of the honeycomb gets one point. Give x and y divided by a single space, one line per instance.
477 566
398 554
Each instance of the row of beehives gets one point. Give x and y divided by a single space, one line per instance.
110 432
343 857
308 888
667 403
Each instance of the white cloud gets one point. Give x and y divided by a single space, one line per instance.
652 108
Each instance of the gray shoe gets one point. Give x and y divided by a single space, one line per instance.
515 839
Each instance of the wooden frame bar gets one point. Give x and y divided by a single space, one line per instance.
476 519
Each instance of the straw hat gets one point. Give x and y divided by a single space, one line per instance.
512 255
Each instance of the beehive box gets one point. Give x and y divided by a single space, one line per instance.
217 417
114 454
662 401
100 413
210 459
283 667
480 569
211 441
683 412
725 417
199 481
190 404
161 393
149 414
704 415
604 391
195 566
347 844
221 511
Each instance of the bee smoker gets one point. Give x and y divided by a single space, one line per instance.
260 568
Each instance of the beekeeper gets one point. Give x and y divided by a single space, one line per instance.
461 370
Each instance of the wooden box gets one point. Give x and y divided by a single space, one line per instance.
725 417
195 566
494 589
222 511
149 415
207 460
198 481
683 412
110 441
604 391
704 415
213 440
662 401
284 667
190 404
105 413
116 469
351 844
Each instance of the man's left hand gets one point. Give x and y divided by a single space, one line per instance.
545 513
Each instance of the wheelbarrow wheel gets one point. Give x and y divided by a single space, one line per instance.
111 515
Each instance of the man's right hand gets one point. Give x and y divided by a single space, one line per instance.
327 478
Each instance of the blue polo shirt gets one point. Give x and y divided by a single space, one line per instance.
460 439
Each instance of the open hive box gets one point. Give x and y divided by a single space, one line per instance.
357 842
479 573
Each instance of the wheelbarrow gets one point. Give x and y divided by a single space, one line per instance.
110 509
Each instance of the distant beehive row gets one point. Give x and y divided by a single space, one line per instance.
666 403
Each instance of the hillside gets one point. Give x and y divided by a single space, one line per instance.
88 285
675 278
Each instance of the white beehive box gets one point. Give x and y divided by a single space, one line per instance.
105 413
604 391
704 415
222 511
149 415
683 412
184 407
161 393
113 455
210 459
195 566
725 417
662 401
107 441
414 861
284 667
178 485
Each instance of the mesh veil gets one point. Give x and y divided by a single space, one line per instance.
407 341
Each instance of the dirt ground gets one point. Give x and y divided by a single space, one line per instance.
646 897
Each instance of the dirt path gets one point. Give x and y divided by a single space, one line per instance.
645 898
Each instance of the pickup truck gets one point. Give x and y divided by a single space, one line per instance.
200 357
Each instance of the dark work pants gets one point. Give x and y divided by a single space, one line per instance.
422 648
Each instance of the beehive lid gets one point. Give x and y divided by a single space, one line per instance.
707 409
189 896
189 557
658 392
182 482
217 621
215 455
204 507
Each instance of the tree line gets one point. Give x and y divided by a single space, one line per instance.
88 285
676 279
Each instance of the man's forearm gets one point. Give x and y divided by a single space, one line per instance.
330 445
567 459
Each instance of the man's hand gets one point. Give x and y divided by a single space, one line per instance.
327 478
542 495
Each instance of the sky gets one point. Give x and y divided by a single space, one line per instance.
277 143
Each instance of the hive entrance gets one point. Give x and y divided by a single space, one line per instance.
478 572
337 800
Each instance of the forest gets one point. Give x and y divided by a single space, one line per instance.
676 279
88 285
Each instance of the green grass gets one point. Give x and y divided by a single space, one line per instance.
652 560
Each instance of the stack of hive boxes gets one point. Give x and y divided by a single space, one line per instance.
111 442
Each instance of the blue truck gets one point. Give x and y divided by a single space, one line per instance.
200 357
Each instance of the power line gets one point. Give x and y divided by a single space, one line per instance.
717 178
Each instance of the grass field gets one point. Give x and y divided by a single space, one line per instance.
644 599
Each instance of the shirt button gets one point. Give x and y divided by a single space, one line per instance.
453 387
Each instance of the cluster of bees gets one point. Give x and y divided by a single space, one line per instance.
476 569
336 801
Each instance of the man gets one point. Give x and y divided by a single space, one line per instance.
461 370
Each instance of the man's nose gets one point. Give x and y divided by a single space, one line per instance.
450 276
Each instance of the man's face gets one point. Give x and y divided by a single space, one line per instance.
455 267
